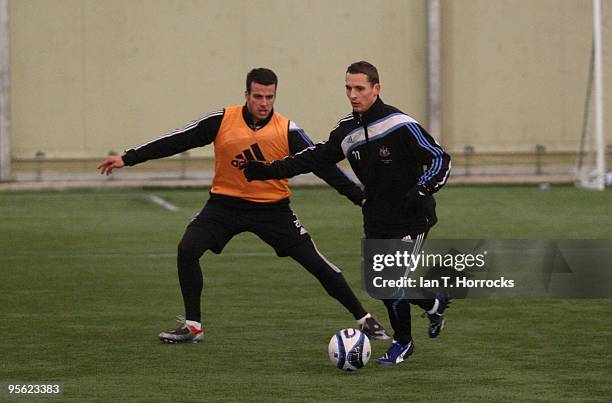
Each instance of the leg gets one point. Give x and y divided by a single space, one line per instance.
399 308
402 345
399 316
212 229
198 238
194 243
329 276
282 230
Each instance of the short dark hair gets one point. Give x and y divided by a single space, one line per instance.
261 76
366 68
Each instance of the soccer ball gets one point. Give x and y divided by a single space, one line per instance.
349 349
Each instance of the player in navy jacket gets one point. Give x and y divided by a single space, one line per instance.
400 166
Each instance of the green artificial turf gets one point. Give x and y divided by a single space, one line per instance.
88 280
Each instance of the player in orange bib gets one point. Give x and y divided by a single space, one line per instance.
249 132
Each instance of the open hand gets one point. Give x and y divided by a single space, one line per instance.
110 163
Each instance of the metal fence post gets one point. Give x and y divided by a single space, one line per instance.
468 151
540 150
40 158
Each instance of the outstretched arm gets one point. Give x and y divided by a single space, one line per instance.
198 133
308 160
331 173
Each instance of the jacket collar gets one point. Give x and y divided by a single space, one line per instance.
248 119
371 114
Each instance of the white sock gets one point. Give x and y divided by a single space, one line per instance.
362 320
435 308
195 324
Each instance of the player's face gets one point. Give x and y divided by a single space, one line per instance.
260 100
360 92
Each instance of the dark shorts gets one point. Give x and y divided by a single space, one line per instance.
279 227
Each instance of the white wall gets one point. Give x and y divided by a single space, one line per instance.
91 76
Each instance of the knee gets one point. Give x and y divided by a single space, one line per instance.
187 252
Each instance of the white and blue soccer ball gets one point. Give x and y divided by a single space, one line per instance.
349 349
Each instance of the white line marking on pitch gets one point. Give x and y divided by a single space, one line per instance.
161 202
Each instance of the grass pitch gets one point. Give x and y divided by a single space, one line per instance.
89 280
